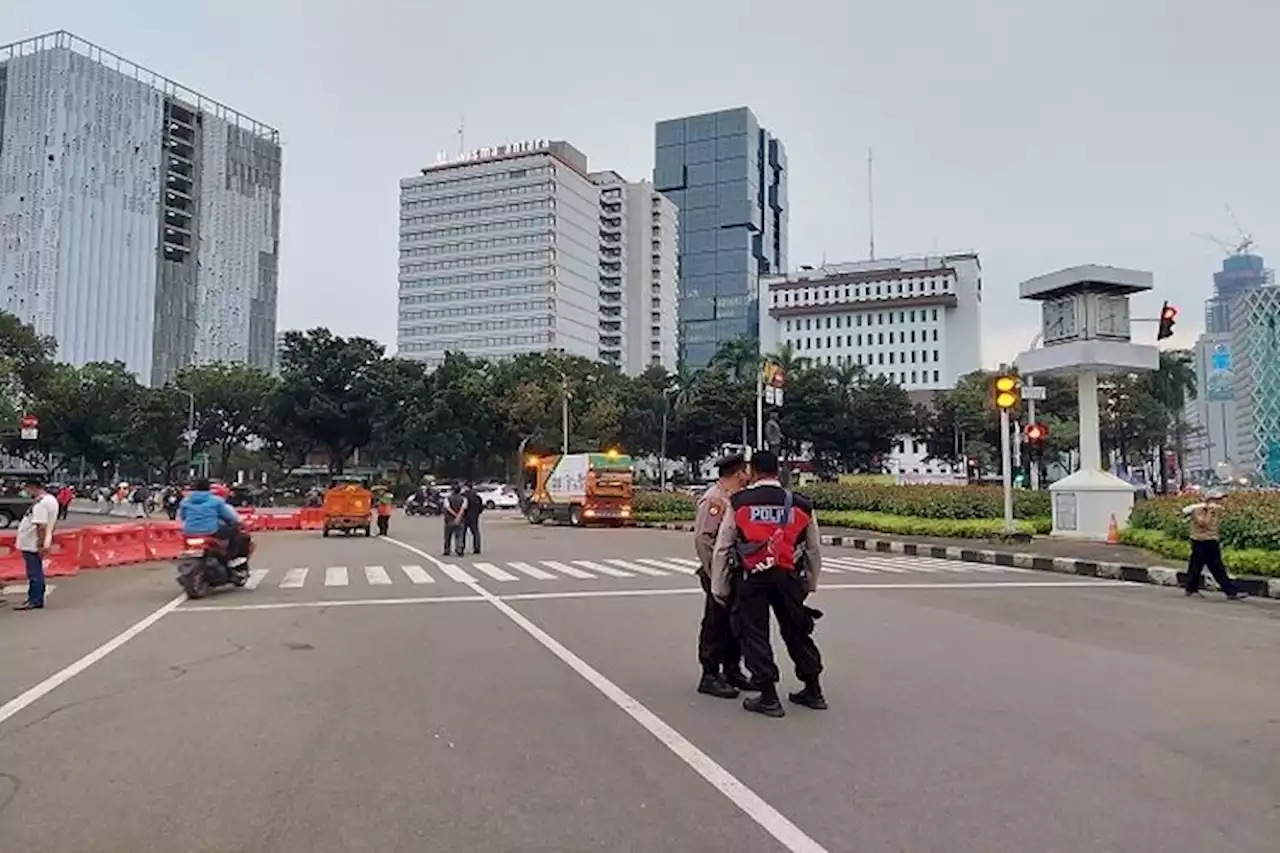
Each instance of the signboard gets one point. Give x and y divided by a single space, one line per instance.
30 427
568 480
527 146
1033 392
1066 515
1220 379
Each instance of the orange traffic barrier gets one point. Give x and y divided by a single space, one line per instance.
11 566
312 518
249 520
164 540
283 521
63 557
112 545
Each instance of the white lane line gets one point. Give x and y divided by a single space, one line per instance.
637 568
417 574
62 676
669 565
255 578
294 579
693 564
847 566
567 570
603 569
376 576
323 605
649 593
21 589
453 572
336 576
533 571
494 572
790 836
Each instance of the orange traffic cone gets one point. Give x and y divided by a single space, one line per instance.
1113 531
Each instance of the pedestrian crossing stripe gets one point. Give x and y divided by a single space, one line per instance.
21 589
601 567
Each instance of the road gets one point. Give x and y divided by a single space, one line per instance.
369 695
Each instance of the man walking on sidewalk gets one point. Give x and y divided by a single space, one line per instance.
35 535
1206 549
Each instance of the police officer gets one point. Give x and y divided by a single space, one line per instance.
772 535
717 647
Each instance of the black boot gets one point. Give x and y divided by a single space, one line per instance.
738 679
713 685
766 703
811 696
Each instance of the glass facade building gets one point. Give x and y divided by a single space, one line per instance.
728 178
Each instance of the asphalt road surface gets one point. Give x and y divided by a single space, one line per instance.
372 695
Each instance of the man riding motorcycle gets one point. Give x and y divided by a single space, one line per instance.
205 514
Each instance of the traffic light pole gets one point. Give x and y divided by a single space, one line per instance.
1007 465
1032 462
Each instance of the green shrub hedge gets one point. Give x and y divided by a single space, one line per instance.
1251 520
955 528
1240 561
939 502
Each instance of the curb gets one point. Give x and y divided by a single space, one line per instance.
1155 575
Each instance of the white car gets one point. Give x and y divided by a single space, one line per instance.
499 497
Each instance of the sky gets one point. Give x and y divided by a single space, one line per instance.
1038 133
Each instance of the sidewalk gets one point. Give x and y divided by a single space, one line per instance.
1090 559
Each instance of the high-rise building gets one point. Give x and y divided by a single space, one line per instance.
728 178
499 254
1255 344
638 244
916 321
1212 416
139 220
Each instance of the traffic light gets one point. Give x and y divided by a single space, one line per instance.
1037 434
1007 392
1167 315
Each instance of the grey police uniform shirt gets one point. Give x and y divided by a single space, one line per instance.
713 506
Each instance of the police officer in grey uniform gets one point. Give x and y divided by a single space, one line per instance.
718 650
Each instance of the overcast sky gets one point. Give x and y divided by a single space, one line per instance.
1041 134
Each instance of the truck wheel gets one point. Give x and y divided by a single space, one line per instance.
6 518
575 515
535 515
325 533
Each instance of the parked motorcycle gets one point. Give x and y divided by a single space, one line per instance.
203 564
417 505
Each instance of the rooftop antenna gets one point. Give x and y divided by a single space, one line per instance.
462 134
871 203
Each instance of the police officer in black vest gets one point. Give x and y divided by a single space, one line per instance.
771 536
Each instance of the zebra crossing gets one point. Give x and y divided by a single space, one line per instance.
481 571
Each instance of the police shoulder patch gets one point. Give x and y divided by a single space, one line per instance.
714 509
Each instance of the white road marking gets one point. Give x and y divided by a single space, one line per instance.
255 578
417 574
567 570
693 564
752 804
494 572
649 593
636 567
294 579
603 569
336 576
669 565
21 589
376 575
533 571
846 566
62 676
453 572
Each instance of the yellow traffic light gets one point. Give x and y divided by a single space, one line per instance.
1006 391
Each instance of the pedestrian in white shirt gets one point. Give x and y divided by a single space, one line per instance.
35 535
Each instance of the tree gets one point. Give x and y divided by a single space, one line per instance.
329 385
87 412
157 423
403 424
26 367
230 400
1172 384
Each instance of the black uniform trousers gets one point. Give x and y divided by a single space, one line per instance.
470 524
1208 553
784 593
717 645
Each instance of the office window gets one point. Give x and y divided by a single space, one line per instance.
788 325
935 376
838 322
859 319
913 315
828 322
891 362
913 356
935 334
828 341
891 337
935 313
880 338
913 381
879 358
859 340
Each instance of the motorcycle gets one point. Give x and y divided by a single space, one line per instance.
415 505
203 564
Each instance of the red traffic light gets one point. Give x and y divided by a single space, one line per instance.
1036 433
1168 314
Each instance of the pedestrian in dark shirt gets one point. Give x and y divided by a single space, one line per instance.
455 515
475 506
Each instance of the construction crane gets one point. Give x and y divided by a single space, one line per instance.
1240 247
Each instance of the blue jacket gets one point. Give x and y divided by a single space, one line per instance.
202 512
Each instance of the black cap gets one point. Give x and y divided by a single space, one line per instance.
730 464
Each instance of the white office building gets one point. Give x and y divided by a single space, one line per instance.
638 281
139 220
499 255
916 321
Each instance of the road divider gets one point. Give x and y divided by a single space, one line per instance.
108 545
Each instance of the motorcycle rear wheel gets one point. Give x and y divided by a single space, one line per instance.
196 585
